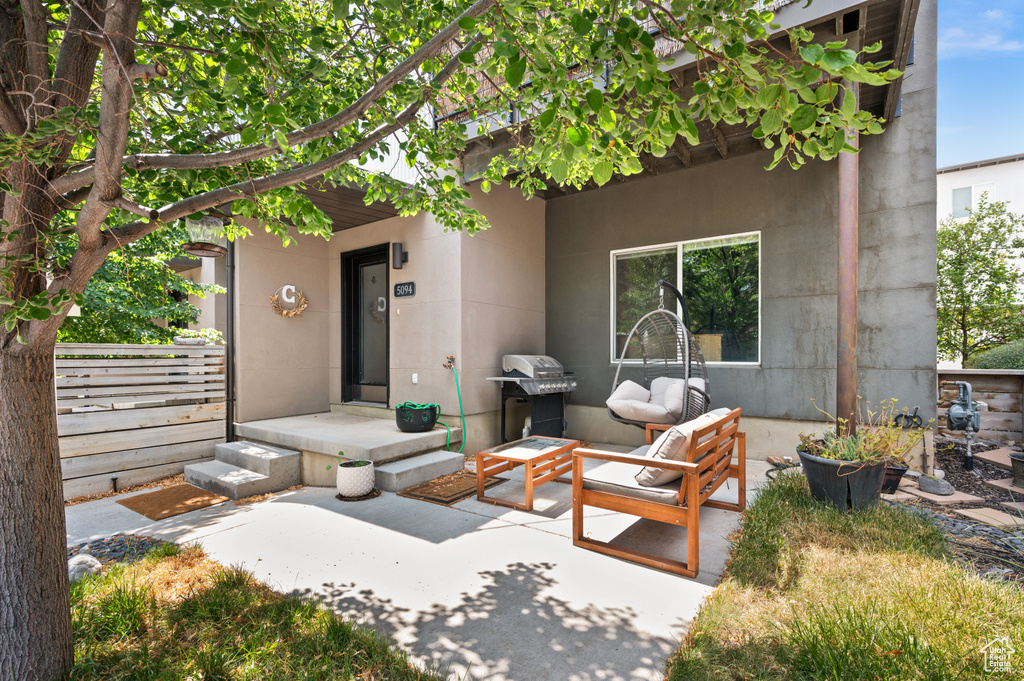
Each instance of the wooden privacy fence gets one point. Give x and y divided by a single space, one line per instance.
1002 390
140 412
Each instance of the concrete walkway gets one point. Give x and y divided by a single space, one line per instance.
475 590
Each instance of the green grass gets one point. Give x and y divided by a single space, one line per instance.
177 615
812 593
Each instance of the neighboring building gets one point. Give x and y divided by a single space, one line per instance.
960 187
559 274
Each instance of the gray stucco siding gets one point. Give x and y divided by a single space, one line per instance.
796 215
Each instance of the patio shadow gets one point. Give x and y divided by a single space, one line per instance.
513 629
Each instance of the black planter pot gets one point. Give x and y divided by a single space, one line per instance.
416 420
844 484
891 481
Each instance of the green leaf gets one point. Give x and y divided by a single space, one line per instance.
603 172
581 25
768 95
837 60
340 8
546 118
559 170
248 135
514 73
467 23
701 88
812 53
505 49
803 118
826 93
41 313
282 140
771 122
236 66
577 136
595 99
733 50
467 57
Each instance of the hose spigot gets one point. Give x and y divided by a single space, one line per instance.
450 364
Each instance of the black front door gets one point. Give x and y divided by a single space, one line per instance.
365 325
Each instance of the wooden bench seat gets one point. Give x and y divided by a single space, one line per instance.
611 486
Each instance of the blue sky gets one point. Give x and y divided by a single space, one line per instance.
981 80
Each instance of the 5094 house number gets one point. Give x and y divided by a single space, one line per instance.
405 289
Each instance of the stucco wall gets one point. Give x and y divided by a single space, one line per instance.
503 292
281 362
477 297
796 213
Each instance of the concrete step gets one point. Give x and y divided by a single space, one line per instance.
399 475
231 481
327 434
283 466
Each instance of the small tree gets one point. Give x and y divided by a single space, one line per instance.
119 117
980 280
133 291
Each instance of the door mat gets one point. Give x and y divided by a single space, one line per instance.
172 501
449 489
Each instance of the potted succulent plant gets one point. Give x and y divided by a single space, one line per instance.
355 476
847 470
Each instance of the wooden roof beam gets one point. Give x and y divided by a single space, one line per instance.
682 152
720 142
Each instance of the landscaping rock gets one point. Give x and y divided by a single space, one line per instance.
935 486
82 566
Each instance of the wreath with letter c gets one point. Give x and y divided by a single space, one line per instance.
301 304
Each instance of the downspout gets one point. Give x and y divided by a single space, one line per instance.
846 361
229 373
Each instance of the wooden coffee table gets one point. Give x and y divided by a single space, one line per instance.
545 459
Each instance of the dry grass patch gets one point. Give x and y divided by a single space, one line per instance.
815 594
178 615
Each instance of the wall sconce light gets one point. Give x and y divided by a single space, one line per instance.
398 256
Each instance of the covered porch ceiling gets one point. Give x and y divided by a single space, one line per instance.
890 22
345 206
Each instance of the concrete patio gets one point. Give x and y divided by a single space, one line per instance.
476 590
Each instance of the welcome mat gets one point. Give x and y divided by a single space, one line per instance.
449 489
172 501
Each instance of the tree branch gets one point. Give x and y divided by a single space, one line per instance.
36 50
215 197
315 131
121 23
132 207
12 121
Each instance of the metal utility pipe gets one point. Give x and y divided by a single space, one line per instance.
229 374
846 364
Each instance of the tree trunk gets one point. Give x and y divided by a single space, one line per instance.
35 619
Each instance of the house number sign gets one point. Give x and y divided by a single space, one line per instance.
406 289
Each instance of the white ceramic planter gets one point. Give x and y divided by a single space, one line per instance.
355 481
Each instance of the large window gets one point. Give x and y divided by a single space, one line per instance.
966 199
720 282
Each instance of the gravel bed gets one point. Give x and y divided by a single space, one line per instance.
1002 558
120 548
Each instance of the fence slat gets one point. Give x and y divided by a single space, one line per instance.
98 484
75 349
130 419
134 459
139 380
139 371
98 443
138 361
122 400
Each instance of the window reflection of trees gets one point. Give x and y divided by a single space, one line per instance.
720 285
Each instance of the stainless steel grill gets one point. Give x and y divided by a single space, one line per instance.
541 381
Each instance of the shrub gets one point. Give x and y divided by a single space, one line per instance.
1009 356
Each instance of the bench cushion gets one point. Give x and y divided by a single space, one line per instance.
618 478
673 445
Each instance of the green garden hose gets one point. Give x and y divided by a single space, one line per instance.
462 412
431 405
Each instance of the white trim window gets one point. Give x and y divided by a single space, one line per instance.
721 282
966 199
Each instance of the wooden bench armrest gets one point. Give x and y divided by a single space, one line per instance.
617 457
